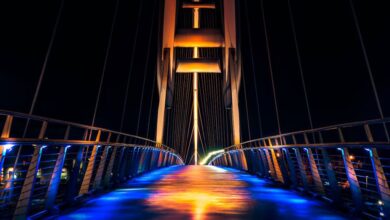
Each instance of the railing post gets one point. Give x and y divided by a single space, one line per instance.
259 162
301 169
264 162
380 176
314 172
132 162
140 165
55 180
71 188
91 163
278 171
292 174
102 163
5 134
118 170
352 179
335 189
123 163
160 158
244 164
24 200
99 172
351 174
381 181
109 175
270 165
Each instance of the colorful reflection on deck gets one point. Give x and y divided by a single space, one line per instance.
200 192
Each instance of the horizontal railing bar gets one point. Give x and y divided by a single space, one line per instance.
72 124
311 131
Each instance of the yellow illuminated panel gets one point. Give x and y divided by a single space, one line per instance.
200 66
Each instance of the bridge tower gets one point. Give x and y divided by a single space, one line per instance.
169 64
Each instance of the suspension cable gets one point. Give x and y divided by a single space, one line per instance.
105 63
124 107
151 105
146 68
270 66
246 105
300 63
48 52
38 88
253 69
368 65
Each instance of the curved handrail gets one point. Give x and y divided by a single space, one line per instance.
308 131
281 139
75 125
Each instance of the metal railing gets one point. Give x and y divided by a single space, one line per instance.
47 164
346 164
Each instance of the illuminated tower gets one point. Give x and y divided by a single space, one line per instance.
228 64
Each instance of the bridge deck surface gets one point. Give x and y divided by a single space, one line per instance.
201 192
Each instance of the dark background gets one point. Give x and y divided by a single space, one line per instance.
336 76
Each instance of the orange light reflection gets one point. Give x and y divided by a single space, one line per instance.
201 191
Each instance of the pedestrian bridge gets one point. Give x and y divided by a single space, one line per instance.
196 166
72 171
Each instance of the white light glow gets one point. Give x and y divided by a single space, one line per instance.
204 161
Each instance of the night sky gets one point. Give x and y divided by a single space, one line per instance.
336 76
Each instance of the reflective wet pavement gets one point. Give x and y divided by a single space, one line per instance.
201 192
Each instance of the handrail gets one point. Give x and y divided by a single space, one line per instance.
262 142
308 131
75 125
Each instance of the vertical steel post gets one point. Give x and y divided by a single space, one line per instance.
381 181
99 172
270 165
314 172
352 179
380 176
91 163
55 180
278 171
109 174
335 189
301 169
264 162
291 168
24 201
351 174
5 134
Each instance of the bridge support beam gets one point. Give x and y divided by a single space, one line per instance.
163 98
235 109
24 201
84 189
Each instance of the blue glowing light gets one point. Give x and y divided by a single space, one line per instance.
7 147
369 150
263 198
